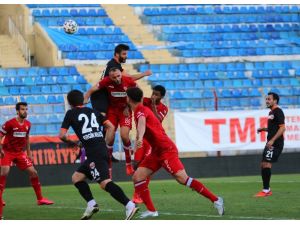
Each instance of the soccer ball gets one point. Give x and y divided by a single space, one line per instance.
70 27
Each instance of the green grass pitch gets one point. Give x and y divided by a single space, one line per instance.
172 200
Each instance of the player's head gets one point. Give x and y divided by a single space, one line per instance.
272 99
115 75
121 51
134 95
75 98
21 108
158 93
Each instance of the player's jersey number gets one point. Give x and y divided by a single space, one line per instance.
94 123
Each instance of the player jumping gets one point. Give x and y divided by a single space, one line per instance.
118 112
16 139
164 154
88 126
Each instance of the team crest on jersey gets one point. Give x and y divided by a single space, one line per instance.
110 86
271 117
92 165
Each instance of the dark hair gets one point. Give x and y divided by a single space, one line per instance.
113 69
75 98
135 94
275 96
161 89
19 104
121 47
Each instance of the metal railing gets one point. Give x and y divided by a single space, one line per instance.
15 33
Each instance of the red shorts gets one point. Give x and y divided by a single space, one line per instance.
116 117
142 152
168 160
21 160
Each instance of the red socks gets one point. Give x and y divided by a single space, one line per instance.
127 152
2 187
200 188
37 187
141 188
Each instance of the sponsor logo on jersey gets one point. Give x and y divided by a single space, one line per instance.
92 165
93 135
19 134
271 117
118 94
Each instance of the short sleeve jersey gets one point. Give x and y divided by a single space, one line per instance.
15 135
275 121
112 63
117 92
87 125
155 133
162 109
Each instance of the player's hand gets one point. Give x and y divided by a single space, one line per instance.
1 153
270 145
147 73
85 101
139 144
260 130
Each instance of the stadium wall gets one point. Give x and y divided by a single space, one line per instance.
59 174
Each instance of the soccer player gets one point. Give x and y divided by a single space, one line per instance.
164 154
16 138
88 126
118 112
99 99
275 141
160 111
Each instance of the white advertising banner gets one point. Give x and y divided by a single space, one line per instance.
230 130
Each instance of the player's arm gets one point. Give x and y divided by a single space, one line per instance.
262 129
90 92
1 150
154 110
63 135
138 76
141 128
28 150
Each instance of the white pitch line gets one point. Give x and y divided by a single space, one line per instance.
187 214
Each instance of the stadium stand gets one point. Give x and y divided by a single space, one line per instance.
96 35
238 86
231 30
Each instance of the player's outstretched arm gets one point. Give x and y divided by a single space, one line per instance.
64 137
89 93
141 75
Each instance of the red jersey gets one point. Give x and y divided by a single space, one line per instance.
117 92
162 109
155 133
15 135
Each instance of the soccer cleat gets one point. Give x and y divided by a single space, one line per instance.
129 169
137 199
130 213
219 205
1 218
148 214
263 194
89 212
44 201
